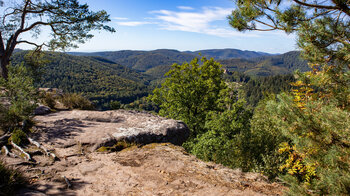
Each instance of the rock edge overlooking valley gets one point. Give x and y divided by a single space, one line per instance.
156 167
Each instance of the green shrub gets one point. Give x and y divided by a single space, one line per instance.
19 137
76 101
49 100
10 180
228 139
115 105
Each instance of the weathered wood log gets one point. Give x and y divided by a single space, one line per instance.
69 185
8 153
28 158
37 144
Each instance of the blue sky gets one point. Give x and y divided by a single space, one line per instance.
178 24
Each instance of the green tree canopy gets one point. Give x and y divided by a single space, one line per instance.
190 91
69 21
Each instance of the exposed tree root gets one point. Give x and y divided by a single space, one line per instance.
28 158
8 153
37 144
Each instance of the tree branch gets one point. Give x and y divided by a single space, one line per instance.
316 5
273 27
11 44
34 25
38 47
343 6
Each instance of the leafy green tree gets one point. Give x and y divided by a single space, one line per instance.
190 91
219 123
69 21
315 115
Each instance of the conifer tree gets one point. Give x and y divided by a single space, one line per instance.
315 115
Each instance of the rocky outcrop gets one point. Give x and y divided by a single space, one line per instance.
96 129
152 169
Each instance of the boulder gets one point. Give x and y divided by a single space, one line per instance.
42 110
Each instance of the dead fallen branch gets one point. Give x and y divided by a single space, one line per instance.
28 158
69 185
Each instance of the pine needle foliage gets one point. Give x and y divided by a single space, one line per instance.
315 116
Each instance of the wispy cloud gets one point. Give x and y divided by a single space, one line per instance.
185 8
199 22
133 23
119 18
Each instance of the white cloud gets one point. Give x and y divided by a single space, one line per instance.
185 8
199 22
119 18
133 23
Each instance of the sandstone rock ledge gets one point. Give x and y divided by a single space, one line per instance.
96 129
153 169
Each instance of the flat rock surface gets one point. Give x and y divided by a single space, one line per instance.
152 169
96 129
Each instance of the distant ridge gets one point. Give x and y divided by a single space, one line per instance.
145 60
157 62
228 53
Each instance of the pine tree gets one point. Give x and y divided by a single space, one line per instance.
315 116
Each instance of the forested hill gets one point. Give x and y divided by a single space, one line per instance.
260 66
97 78
268 65
144 60
220 54
156 63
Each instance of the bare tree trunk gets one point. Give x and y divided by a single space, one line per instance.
4 62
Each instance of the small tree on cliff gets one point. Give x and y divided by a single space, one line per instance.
69 22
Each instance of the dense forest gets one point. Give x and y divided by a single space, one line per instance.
144 60
100 80
156 63
268 65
